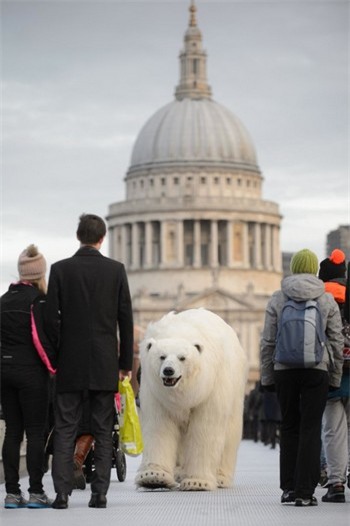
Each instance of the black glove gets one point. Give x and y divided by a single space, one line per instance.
269 388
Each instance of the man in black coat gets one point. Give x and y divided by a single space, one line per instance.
88 303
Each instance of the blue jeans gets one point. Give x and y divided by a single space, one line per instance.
302 394
24 401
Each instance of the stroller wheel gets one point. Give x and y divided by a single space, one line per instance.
120 463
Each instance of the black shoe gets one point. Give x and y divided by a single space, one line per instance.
288 496
98 500
306 501
335 493
61 501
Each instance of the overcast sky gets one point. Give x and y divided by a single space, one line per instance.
80 78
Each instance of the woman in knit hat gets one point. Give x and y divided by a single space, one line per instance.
27 359
301 391
336 416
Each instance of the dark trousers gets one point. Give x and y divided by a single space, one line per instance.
69 411
302 394
24 401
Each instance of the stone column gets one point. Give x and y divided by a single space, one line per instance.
119 252
135 256
229 243
267 247
180 243
214 243
245 242
123 250
257 245
148 244
197 243
162 242
277 260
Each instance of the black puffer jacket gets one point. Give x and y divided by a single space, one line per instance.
23 340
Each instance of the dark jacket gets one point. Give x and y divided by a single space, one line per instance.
23 341
337 287
88 301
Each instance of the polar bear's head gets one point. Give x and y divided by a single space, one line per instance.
184 354
172 360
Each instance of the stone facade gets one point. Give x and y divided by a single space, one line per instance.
194 230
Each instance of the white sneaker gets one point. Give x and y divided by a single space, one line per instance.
39 500
15 500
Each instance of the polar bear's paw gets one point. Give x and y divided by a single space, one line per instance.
223 481
193 484
154 478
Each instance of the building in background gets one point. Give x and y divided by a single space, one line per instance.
339 238
194 229
286 260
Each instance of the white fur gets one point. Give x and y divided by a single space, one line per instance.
191 431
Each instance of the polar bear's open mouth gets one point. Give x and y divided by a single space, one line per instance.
170 382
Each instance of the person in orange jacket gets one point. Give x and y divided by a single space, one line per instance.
336 417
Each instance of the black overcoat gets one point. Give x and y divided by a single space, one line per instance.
88 302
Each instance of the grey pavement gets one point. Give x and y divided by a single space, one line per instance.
253 501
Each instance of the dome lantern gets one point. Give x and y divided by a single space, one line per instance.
193 64
193 131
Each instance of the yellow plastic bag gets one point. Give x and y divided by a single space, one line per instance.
130 436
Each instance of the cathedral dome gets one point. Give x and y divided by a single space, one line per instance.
193 131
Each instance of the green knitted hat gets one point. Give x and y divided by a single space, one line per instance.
304 262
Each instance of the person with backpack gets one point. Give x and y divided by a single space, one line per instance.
336 416
27 360
301 358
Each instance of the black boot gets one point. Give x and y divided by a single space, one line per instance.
98 500
61 501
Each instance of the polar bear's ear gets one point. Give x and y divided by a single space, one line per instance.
198 347
149 344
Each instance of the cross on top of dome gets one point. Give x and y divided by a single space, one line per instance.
193 9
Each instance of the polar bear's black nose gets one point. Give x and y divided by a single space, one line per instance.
168 371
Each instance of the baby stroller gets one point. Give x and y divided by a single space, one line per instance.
118 461
118 456
84 459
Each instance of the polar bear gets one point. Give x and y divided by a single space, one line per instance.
193 381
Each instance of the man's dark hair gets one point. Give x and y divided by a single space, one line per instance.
91 229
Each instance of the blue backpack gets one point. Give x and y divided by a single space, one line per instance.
301 339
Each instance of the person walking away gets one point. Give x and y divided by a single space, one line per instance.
336 416
347 337
27 360
272 414
301 387
255 404
88 302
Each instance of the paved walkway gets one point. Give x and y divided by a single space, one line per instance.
254 501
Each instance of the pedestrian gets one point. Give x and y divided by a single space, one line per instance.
88 303
27 360
272 418
301 390
336 416
255 410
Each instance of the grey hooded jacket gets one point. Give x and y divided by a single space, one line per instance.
302 287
